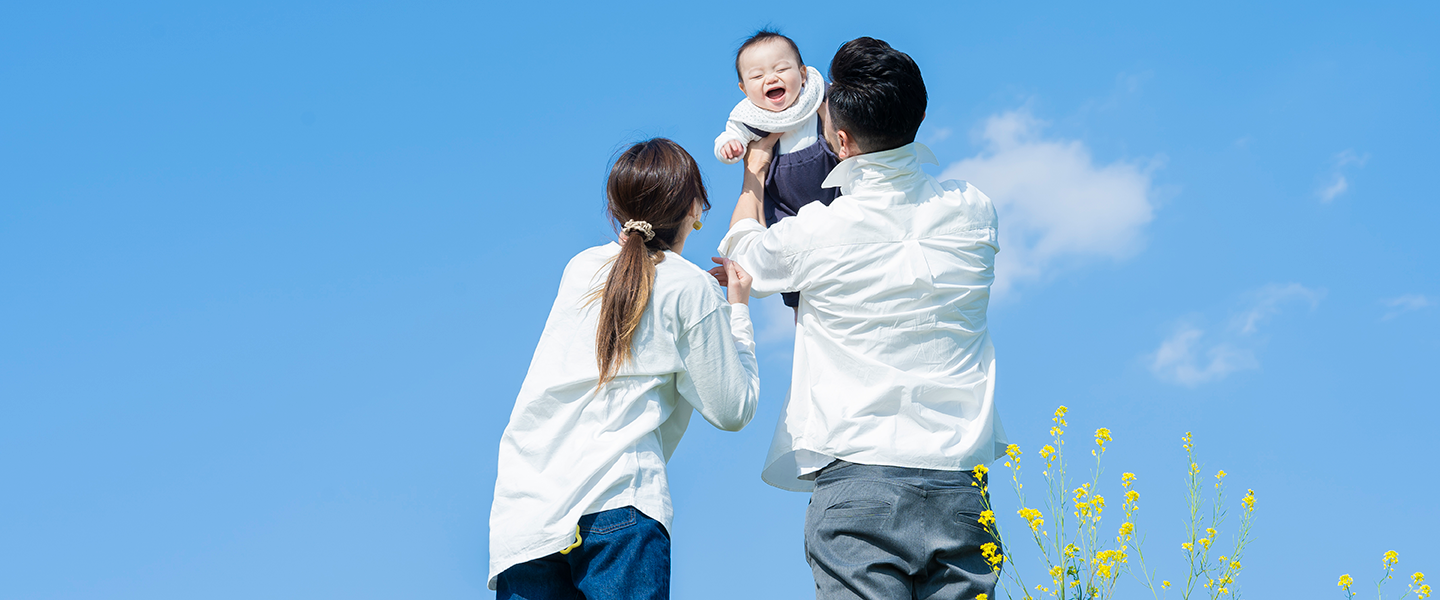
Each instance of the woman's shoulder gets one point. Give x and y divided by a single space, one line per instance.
683 285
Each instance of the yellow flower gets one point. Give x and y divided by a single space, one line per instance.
1056 571
1210 531
1013 452
1131 496
1103 571
1194 468
988 549
1249 500
1126 479
987 518
1204 542
1220 474
1188 546
1165 584
1234 565
1224 590
1418 578
1102 435
1071 550
1060 412
1346 581
1391 558
1424 592
982 597
981 470
1056 432
1127 528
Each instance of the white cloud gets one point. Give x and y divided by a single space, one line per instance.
1267 301
1337 187
1404 304
1178 359
1188 358
1054 202
1338 183
940 135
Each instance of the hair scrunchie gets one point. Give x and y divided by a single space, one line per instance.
642 227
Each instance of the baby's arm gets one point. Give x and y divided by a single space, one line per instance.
730 145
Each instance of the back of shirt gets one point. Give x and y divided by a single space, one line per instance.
893 360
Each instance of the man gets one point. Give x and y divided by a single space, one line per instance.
891 403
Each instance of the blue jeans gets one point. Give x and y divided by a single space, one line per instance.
624 555
894 533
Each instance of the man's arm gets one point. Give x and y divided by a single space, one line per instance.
751 204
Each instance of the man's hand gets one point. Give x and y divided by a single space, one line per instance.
759 153
752 186
732 149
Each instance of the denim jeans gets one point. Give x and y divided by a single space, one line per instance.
889 533
624 555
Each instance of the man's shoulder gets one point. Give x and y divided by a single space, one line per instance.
966 202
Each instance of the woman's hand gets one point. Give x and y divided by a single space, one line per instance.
734 278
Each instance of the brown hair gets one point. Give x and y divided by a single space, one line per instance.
654 181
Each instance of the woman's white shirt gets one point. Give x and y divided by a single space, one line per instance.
571 449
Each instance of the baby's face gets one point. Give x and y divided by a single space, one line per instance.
771 75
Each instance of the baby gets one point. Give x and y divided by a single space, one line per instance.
781 95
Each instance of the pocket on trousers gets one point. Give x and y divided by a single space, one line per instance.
967 509
609 521
859 509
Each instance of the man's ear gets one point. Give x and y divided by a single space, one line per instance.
846 149
741 85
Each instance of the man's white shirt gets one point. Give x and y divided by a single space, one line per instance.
893 363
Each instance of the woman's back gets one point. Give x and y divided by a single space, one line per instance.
574 447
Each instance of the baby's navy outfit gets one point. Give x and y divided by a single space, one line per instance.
794 177
794 181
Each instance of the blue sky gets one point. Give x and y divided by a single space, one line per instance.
272 274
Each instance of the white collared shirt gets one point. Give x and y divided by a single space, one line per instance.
572 449
893 362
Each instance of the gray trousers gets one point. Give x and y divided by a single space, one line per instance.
895 533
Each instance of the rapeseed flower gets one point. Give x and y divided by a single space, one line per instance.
1346 581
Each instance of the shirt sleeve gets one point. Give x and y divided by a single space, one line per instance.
762 254
737 131
721 379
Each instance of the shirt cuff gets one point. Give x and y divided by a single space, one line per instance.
741 328
720 143
737 233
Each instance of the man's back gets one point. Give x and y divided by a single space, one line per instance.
893 363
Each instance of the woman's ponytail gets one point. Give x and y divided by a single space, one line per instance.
652 187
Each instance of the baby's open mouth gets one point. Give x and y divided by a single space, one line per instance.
775 94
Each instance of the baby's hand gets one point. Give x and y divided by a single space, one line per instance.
732 150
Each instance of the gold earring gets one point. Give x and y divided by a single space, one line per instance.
697 225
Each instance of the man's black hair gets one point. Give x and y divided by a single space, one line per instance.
764 35
876 94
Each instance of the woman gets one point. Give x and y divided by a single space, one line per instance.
637 339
